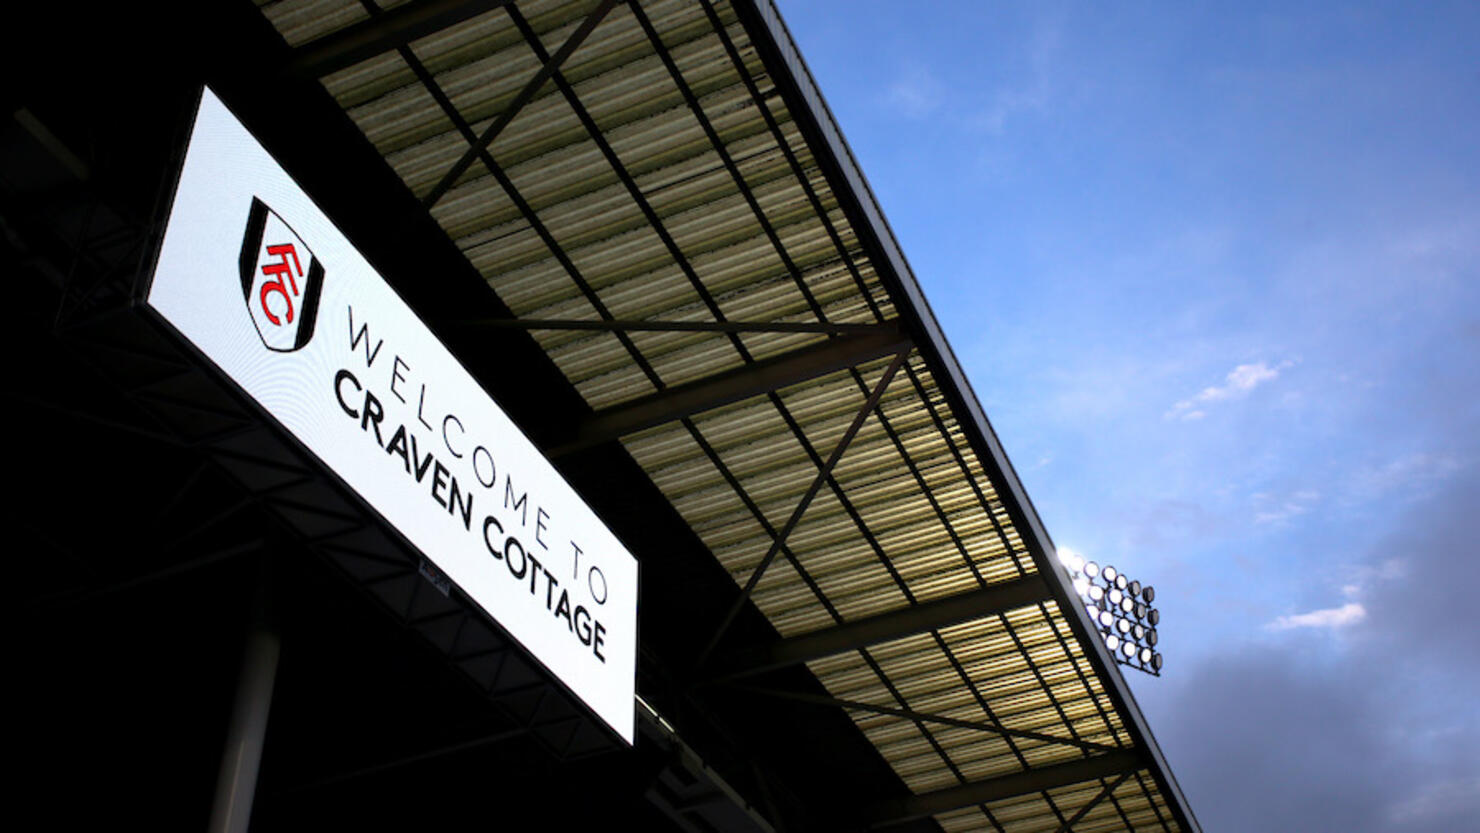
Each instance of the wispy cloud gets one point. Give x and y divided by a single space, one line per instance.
1033 92
915 94
1270 510
1331 617
1412 473
1236 385
1455 798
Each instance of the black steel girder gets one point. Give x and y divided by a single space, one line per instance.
732 386
886 627
918 717
972 793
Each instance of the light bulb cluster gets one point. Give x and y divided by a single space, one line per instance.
1121 610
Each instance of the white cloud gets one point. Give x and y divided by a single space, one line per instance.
916 94
1414 474
1331 617
1269 510
1236 385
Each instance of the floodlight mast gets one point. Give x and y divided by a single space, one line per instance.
1121 609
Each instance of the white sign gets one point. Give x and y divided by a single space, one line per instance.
254 274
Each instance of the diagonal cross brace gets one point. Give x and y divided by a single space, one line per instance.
1111 787
524 96
382 32
796 515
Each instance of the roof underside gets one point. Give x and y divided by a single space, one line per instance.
650 207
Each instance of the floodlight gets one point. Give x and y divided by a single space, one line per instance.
1120 609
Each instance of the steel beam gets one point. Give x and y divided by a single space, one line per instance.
732 386
886 627
972 793
381 33
923 717
630 325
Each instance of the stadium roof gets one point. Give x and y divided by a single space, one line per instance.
658 194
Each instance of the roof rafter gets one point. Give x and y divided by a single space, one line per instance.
916 619
991 726
732 386
631 325
972 793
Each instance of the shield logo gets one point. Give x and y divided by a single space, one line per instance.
281 280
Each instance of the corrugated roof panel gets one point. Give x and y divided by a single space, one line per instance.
910 514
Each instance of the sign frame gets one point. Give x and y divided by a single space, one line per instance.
617 712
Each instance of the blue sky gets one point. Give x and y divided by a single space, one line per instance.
1214 272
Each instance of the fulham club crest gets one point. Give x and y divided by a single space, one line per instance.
281 280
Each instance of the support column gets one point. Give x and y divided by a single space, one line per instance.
241 760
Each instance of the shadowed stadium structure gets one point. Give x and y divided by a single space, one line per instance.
637 225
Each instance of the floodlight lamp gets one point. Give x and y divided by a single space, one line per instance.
1151 637
1106 620
1096 592
1109 573
1149 594
1156 662
1120 581
1128 649
1081 586
1140 610
1139 632
1123 626
1112 642
1146 655
1126 605
1091 569
1134 589
1154 617
1115 597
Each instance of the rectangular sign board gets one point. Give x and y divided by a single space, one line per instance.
253 274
